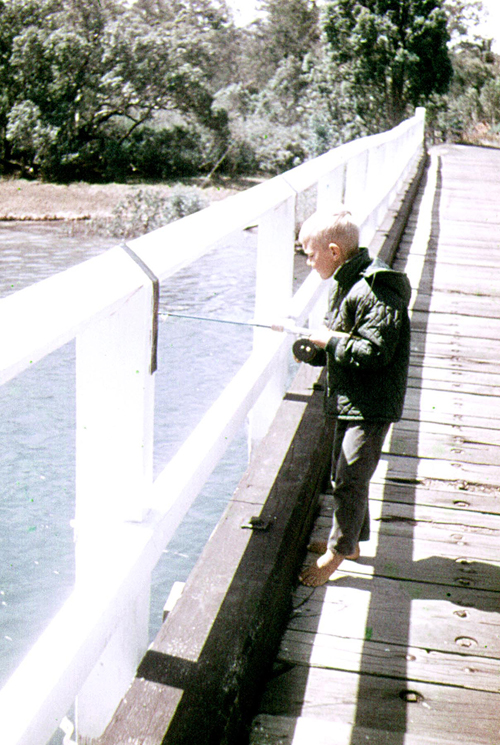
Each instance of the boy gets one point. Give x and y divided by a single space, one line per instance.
366 373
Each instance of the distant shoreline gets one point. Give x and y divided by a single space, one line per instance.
23 200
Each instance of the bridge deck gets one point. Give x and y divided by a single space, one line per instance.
403 646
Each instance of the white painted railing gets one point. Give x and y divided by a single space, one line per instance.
124 519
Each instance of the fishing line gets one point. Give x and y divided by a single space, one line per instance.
288 328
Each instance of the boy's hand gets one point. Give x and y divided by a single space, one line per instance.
321 336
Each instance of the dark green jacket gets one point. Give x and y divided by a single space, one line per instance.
367 372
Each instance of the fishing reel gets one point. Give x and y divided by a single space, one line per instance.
304 350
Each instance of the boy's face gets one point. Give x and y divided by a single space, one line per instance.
324 257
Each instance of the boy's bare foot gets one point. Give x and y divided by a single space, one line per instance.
320 572
321 547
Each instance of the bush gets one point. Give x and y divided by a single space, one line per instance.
167 153
148 209
261 145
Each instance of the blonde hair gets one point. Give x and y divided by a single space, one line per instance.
335 226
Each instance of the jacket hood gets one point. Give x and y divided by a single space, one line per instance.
374 271
398 282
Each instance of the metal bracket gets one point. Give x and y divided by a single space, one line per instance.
156 303
257 523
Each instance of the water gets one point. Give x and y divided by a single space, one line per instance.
37 446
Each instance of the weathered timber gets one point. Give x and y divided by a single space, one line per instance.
388 236
466 305
454 495
276 730
452 403
438 373
440 616
404 661
388 704
404 518
462 434
445 323
399 466
444 446
198 681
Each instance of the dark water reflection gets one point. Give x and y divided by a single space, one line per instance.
37 446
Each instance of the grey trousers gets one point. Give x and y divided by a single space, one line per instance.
356 452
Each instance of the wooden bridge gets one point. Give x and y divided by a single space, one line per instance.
402 647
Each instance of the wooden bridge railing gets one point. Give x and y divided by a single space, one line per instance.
124 518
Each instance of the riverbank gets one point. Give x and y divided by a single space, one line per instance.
21 199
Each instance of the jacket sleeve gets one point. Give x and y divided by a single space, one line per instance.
376 337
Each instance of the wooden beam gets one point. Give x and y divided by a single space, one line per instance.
199 680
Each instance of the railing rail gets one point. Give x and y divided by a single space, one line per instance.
124 519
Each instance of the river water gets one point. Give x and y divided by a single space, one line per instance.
37 443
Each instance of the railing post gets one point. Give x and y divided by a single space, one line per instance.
331 188
356 173
273 292
114 443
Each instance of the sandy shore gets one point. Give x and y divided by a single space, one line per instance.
35 200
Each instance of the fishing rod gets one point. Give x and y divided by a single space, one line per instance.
303 349
288 328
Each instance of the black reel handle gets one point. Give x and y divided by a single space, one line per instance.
304 350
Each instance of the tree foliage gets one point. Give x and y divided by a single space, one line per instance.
88 75
395 52
165 89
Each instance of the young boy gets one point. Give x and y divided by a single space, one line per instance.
366 373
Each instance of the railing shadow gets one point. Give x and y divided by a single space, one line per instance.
394 715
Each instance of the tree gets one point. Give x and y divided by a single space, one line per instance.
90 74
394 52
490 101
291 28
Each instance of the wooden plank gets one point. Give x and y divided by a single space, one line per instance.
433 524
402 613
427 444
462 434
467 305
379 703
437 373
412 515
450 253
454 407
438 493
278 730
451 323
403 467
463 280
464 349
405 662
431 416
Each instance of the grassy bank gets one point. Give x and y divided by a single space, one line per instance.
35 200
